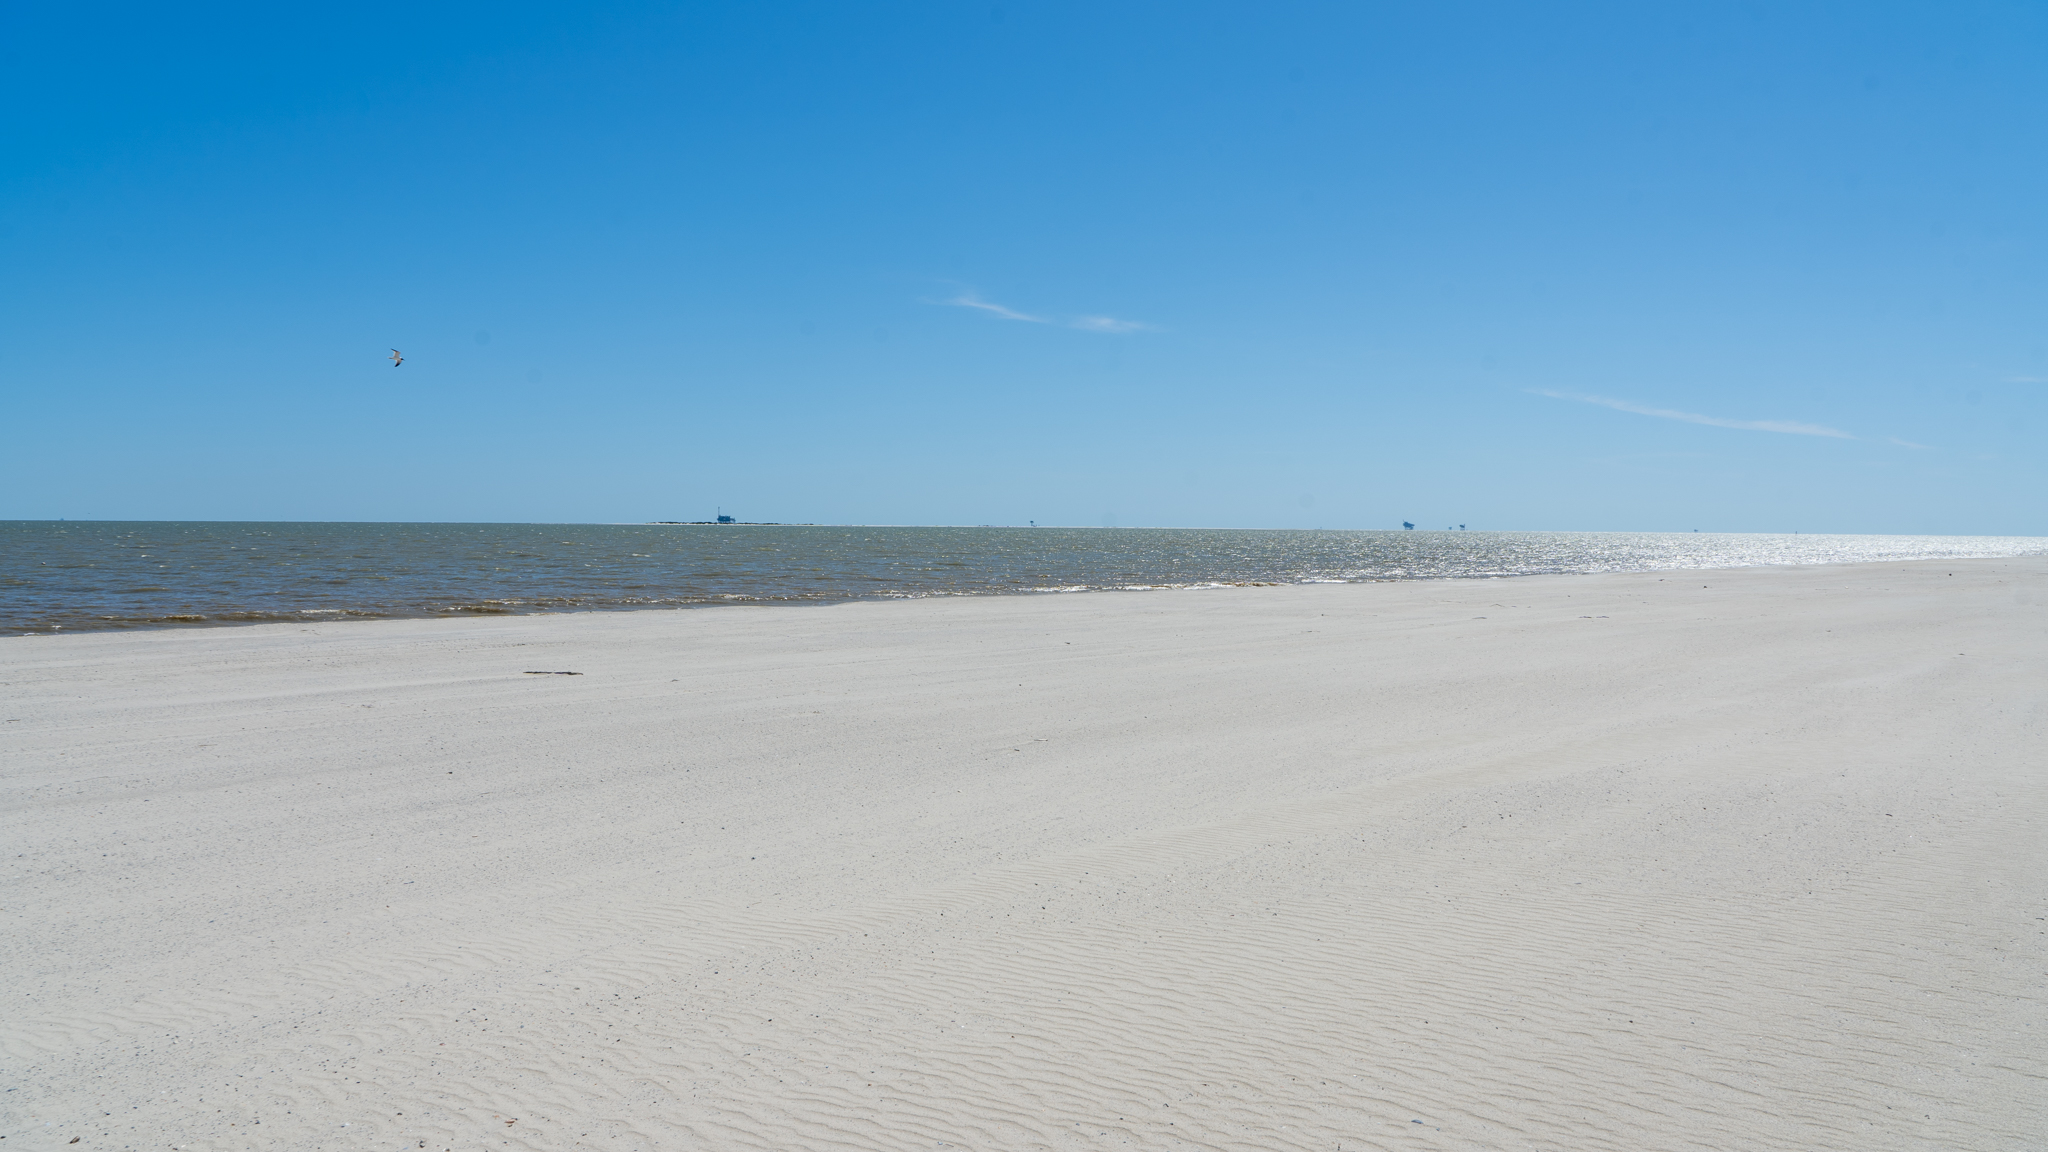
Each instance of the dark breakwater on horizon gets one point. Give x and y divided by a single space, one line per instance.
69 576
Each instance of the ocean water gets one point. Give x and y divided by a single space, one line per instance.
69 576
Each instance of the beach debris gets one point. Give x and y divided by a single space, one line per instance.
396 358
554 673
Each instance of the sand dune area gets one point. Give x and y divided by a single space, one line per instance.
1747 859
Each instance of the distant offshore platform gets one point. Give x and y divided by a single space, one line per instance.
724 519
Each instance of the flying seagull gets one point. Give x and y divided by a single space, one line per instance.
396 359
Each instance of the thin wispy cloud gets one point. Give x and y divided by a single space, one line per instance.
972 300
968 298
1789 427
1107 324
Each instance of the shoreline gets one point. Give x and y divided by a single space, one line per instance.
741 600
1605 861
117 577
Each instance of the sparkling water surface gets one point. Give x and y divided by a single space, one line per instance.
81 575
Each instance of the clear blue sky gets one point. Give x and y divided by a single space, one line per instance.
1749 267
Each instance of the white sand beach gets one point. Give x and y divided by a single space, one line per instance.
1747 859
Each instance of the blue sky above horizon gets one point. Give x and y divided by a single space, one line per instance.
1594 266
